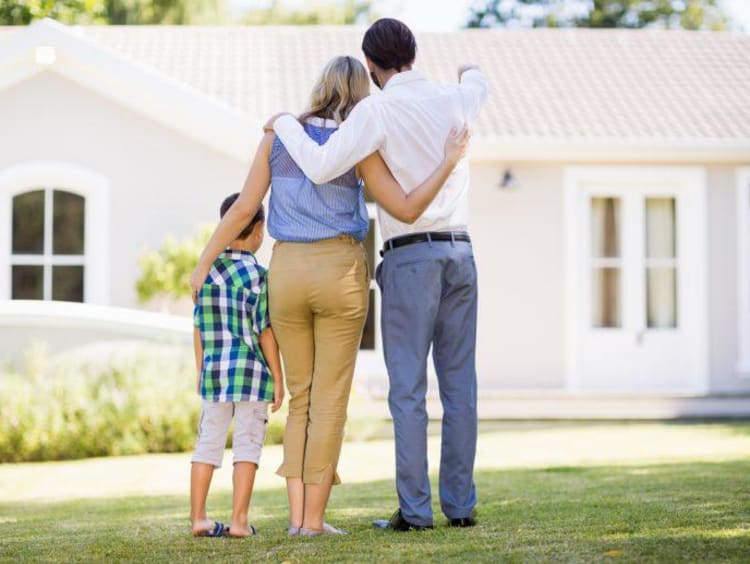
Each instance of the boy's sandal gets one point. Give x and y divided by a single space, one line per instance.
219 530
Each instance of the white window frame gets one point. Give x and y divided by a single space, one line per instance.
743 271
49 175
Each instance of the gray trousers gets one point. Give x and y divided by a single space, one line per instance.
429 297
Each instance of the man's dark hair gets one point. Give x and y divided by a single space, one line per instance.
259 216
390 44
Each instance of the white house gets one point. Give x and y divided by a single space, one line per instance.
610 186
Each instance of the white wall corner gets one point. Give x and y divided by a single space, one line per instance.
572 268
743 272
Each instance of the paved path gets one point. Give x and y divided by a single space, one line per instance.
545 405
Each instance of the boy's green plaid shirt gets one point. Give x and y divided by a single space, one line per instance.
231 311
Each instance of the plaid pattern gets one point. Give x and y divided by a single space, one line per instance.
231 311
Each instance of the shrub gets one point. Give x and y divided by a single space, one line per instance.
167 271
123 404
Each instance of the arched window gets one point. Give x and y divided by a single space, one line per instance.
54 233
48 245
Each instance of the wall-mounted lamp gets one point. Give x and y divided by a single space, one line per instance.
508 180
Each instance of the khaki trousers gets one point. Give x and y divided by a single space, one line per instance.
318 300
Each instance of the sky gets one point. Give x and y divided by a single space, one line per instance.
447 15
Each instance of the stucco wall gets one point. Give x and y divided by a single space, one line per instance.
517 234
160 181
518 238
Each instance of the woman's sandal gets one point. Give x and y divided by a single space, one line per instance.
331 530
326 530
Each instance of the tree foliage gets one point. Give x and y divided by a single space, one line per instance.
176 12
321 13
167 271
685 14
23 12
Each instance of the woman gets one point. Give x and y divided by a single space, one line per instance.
318 280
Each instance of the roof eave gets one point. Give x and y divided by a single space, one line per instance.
577 150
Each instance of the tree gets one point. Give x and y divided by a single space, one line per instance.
326 13
686 14
166 272
23 12
177 12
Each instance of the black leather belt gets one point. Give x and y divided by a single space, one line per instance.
443 236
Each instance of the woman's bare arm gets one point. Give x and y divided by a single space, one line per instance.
388 193
237 216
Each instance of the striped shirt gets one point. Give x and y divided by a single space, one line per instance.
301 211
231 311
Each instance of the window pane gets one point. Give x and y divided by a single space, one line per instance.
368 334
67 283
28 223
28 282
605 227
605 299
660 228
661 298
67 223
372 252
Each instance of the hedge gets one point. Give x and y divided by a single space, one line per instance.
124 404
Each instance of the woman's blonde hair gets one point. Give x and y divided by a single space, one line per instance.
342 84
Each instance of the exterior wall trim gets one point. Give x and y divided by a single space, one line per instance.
489 148
126 322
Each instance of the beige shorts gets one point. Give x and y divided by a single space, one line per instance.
250 419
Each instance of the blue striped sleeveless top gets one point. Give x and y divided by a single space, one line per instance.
301 211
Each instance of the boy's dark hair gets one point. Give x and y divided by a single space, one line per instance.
390 44
259 216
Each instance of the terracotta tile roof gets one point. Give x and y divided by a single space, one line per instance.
552 84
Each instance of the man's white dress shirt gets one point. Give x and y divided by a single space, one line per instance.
408 123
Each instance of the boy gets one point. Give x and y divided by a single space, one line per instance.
239 372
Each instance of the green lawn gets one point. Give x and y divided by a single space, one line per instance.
646 506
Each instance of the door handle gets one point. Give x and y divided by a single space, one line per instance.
639 335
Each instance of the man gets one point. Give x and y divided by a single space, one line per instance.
427 277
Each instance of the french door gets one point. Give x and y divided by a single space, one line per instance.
637 279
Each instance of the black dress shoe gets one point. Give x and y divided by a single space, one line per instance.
398 523
462 522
